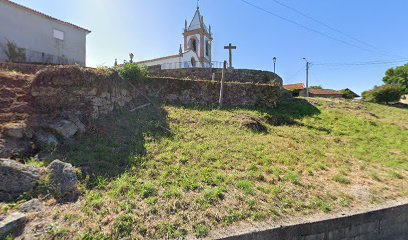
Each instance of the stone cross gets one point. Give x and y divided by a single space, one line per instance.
230 48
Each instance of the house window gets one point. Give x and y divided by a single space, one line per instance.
59 35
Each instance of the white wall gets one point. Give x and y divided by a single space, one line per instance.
35 33
183 61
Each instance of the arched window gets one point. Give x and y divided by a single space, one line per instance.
193 62
207 48
193 44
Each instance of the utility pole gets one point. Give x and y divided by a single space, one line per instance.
224 69
307 77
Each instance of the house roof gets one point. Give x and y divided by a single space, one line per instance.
296 86
317 91
35 12
197 22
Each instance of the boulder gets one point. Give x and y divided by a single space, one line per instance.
34 205
15 130
45 139
12 225
65 128
16 179
63 180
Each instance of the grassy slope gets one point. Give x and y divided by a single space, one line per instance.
207 171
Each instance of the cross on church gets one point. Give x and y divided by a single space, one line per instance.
230 48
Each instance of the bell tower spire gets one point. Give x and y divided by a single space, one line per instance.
198 38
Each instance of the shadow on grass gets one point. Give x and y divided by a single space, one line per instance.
295 108
398 105
116 143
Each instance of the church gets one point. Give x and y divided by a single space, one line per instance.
197 47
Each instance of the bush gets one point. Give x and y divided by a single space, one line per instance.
133 72
384 94
14 53
347 94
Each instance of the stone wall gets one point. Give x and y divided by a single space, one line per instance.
172 90
235 75
83 91
91 92
384 223
22 67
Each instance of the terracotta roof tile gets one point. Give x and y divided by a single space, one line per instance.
324 91
296 86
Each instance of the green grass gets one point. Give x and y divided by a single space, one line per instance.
184 171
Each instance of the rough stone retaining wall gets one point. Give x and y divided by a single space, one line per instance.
382 224
23 67
88 92
171 90
236 75
91 93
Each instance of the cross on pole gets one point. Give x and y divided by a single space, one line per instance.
230 48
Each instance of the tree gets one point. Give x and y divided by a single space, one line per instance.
384 94
347 93
397 76
316 87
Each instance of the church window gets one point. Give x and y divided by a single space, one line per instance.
194 45
207 48
193 62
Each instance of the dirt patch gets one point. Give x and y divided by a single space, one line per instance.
280 120
253 123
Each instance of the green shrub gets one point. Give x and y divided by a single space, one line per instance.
200 230
13 52
340 178
384 94
133 72
246 186
123 226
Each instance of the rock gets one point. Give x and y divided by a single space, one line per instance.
16 179
75 119
45 139
15 130
34 205
12 225
65 128
62 179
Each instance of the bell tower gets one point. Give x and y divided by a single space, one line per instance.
198 38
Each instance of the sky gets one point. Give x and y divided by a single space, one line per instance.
349 43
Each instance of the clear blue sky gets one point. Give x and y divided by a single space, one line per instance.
154 28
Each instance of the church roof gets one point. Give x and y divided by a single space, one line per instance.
197 22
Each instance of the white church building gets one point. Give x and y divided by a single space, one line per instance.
197 48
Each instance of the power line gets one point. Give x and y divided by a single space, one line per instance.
378 62
324 24
306 27
329 27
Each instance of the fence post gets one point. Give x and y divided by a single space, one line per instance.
222 83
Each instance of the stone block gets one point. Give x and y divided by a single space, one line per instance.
16 179
12 225
65 128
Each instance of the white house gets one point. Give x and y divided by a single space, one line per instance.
42 38
197 47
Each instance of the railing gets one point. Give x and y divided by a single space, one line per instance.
188 64
31 56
